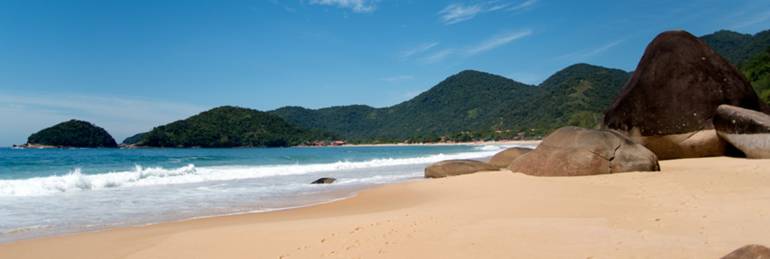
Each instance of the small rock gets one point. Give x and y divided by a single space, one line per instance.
325 180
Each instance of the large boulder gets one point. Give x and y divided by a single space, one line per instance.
573 151
747 130
505 157
668 103
457 167
749 252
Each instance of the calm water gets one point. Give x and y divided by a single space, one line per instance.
54 191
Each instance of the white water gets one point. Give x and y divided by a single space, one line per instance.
152 176
76 201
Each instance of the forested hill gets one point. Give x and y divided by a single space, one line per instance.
229 126
749 53
473 104
737 47
73 133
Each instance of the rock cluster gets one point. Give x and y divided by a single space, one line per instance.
669 103
683 101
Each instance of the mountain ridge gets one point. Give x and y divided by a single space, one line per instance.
470 101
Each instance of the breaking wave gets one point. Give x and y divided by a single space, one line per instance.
76 181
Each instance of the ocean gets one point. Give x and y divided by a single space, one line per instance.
47 192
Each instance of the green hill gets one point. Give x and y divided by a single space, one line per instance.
737 47
475 105
747 52
229 126
73 133
133 140
757 70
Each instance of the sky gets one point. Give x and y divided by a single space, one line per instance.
128 66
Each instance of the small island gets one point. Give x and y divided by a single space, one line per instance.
72 133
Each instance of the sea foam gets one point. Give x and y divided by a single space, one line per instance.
76 181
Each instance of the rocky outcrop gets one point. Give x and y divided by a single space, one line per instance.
746 130
72 133
457 167
572 151
505 157
749 252
324 180
668 104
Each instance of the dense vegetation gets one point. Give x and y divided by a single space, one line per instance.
229 126
757 70
132 140
73 133
474 105
736 47
749 53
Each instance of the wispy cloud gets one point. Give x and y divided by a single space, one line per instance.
417 50
498 41
460 12
121 117
455 13
437 56
397 79
749 20
585 54
523 5
471 50
357 6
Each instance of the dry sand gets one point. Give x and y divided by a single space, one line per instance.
695 208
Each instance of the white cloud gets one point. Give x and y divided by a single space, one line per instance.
119 116
455 13
437 56
458 12
498 41
583 55
478 48
523 5
357 6
750 20
418 50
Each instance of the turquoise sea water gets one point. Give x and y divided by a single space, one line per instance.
55 191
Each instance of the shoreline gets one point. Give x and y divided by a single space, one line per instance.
674 213
501 142
474 143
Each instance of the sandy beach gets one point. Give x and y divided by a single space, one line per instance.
694 208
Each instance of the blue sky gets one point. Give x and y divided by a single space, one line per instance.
131 65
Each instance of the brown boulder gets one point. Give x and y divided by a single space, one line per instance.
457 167
746 130
668 103
505 157
573 151
749 252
